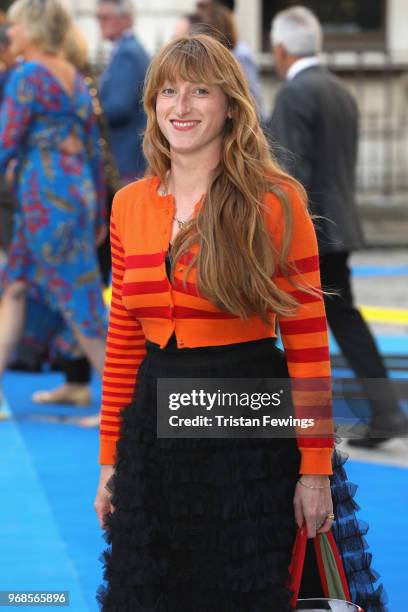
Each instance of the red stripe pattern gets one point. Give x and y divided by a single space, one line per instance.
125 351
145 305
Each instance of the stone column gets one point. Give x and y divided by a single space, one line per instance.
249 19
396 24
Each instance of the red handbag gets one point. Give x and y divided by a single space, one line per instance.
331 572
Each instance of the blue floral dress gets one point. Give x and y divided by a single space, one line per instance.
60 196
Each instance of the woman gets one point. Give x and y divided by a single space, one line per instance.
77 372
47 124
208 524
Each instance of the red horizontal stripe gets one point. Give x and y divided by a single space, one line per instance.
322 383
183 312
117 261
117 277
187 288
116 393
126 346
307 355
304 298
186 258
303 326
152 312
117 286
146 287
120 385
144 261
114 238
122 366
314 412
115 375
115 404
113 325
126 336
304 265
324 442
117 297
116 246
114 413
121 317
118 357
104 432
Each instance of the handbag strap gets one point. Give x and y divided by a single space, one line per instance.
329 563
297 563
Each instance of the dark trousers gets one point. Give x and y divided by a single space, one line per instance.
354 337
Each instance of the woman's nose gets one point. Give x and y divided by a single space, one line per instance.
183 105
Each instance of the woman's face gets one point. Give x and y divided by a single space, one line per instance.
18 38
191 116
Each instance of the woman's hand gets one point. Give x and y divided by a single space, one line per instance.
102 503
313 506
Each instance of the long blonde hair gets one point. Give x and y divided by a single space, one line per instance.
236 258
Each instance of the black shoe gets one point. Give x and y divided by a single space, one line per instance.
380 430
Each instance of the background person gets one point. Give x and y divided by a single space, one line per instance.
120 88
185 23
222 19
47 124
77 370
315 124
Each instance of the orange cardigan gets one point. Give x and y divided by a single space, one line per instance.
145 305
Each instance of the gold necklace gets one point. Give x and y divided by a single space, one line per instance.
165 191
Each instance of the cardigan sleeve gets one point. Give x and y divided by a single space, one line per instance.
125 350
305 341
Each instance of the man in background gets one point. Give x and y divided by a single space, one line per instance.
121 85
315 127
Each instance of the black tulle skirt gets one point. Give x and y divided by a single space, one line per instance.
207 525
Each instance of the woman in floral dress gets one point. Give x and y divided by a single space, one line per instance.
48 126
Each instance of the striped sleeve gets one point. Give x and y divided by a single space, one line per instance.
125 349
305 340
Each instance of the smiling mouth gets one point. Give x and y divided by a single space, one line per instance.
184 125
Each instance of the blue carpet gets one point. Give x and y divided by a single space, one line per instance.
48 530
400 270
382 496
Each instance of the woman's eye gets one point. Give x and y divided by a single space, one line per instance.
168 91
201 91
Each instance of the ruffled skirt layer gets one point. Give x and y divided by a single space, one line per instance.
207 525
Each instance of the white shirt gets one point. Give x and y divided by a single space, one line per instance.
302 64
